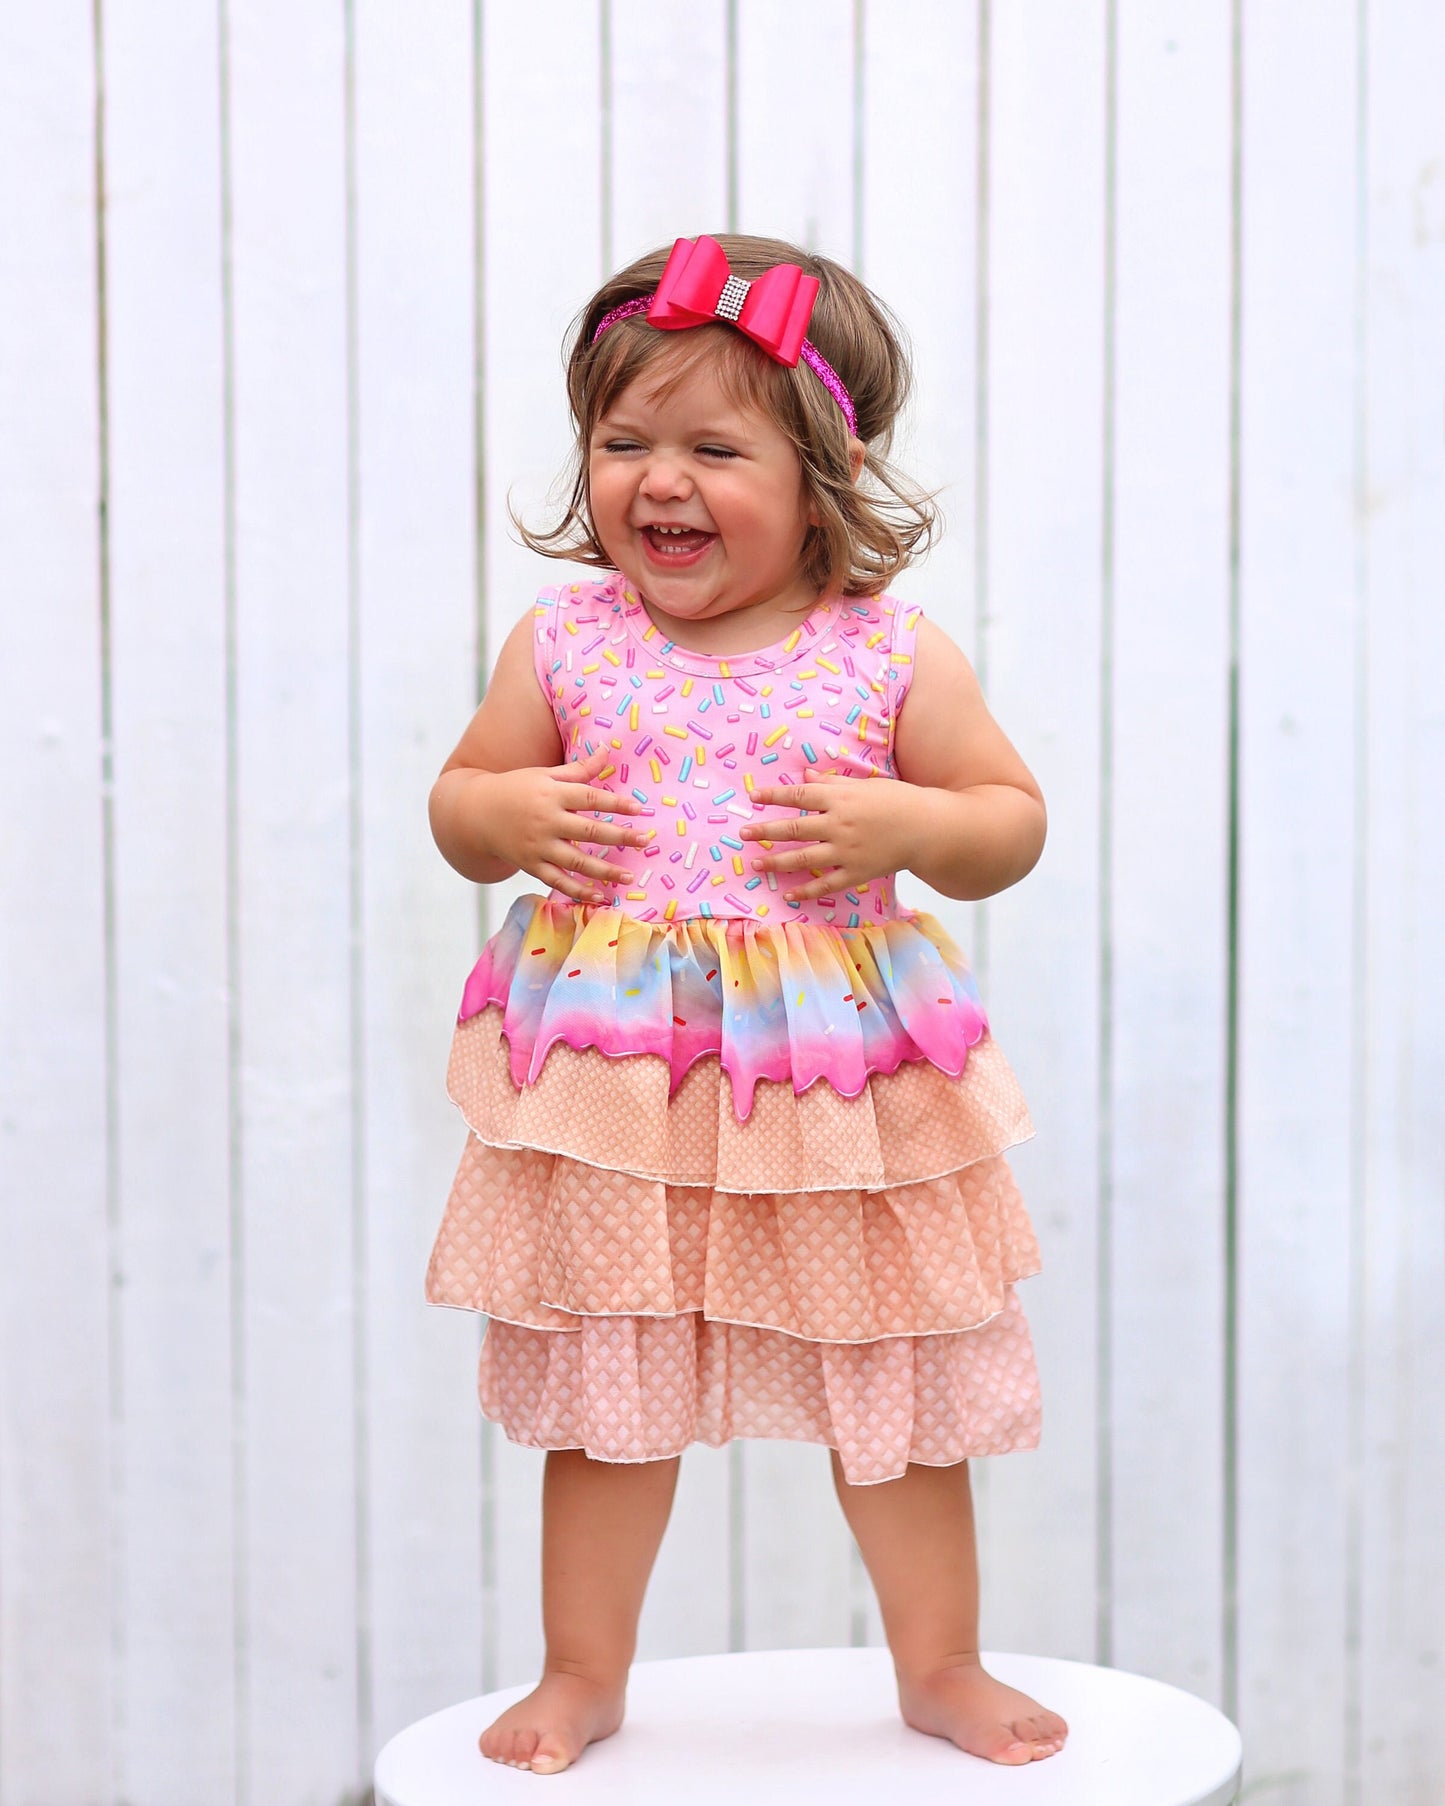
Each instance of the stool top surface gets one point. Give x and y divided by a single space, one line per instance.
788 1727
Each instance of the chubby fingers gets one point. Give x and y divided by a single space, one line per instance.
605 833
788 827
583 793
582 874
823 877
605 802
787 796
579 875
588 764
587 776
829 885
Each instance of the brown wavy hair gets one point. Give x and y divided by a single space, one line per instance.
867 531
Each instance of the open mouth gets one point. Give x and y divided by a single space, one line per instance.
676 545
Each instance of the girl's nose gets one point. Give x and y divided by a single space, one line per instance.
665 479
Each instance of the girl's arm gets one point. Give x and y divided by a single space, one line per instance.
505 801
980 822
513 727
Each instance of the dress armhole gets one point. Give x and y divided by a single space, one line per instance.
902 647
545 658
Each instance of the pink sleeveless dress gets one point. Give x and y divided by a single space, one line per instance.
734 1166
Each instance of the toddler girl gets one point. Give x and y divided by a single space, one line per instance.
735 1162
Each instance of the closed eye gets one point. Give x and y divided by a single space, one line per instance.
620 445
717 451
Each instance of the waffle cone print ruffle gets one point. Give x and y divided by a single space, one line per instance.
725 1178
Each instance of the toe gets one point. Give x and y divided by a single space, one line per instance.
1050 1731
519 1747
1010 1747
549 1758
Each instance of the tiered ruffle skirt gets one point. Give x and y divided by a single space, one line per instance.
675 1241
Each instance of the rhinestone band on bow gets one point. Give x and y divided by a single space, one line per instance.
730 301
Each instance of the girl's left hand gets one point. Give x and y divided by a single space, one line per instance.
856 829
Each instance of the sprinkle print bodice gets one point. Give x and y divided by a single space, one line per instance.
690 735
698 955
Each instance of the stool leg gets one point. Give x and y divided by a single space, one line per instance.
916 1536
602 1524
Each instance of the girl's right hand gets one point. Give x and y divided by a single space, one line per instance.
536 821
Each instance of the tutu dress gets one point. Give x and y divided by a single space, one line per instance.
734 1166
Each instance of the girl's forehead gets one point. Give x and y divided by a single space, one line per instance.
695 386
687 378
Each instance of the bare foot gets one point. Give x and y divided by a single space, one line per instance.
548 1730
979 1714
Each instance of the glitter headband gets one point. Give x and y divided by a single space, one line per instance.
697 287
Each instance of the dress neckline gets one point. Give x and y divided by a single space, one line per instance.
807 635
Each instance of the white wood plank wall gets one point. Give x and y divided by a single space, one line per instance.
282 295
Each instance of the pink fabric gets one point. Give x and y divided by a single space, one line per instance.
773 310
544 1239
630 1316
691 732
736 1166
643 1388
801 1001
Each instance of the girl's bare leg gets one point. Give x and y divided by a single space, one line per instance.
602 1523
917 1539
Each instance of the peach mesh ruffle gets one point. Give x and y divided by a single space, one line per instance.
643 1388
833 1270
915 1123
544 1240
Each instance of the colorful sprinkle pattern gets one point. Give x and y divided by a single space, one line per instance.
691 735
697 954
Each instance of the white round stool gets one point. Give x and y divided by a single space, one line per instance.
790 1727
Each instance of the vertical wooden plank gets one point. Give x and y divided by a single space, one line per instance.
666 106
1042 645
542 161
1169 803
920 120
176 1679
55 1284
686 1611
293 739
1401 1436
796 142
1299 821
796 166
417 623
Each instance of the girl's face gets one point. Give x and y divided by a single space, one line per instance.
698 500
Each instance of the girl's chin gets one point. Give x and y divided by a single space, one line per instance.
688 597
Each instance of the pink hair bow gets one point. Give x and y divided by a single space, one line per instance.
697 286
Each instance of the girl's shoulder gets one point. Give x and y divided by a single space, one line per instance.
562 611
563 601
890 626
